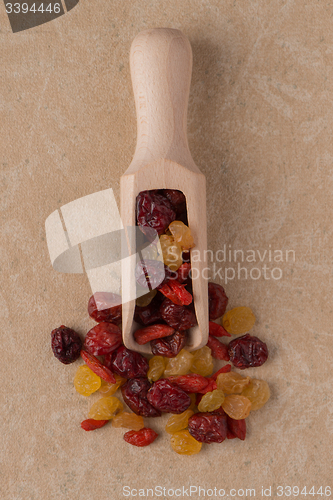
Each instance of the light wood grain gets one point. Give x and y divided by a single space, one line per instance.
161 67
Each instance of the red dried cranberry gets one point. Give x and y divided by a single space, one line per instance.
176 198
66 344
126 363
237 427
183 272
103 339
170 346
154 211
152 274
105 306
168 398
218 300
147 315
143 437
208 427
134 393
179 317
247 351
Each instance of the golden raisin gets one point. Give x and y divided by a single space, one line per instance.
180 364
184 444
105 408
178 422
211 401
202 362
257 392
238 320
237 406
145 299
128 421
172 252
232 382
181 234
157 366
86 381
108 389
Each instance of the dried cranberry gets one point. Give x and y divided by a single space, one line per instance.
103 339
105 306
66 344
208 427
247 351
126 363
154 211
147 315
176 198
179 317
219 350
134 393
152 274
237 427
183 272
168 398
170 346
218 300
143 437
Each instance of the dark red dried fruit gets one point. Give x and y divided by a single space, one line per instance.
152 332
211 386
170 346
190 383
143 437
126 363
179 317
105 306
217 330
96 366
218 300
177 293
219 350
237 427
154 211
247 351
149 314
152 274
168 398
134 393
224 369
103 339
66 344
183 272
208 427
176 198
90 424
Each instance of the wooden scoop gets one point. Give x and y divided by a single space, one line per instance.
161 67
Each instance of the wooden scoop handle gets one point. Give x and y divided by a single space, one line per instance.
161 67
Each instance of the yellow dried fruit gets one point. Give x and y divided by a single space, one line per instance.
237 406
232 382
146 299
238 320
180 364
86 381
257 392
211 400
157 366
172 252
108 389
128 421
184 444
105 408
181 234
178 422
202 362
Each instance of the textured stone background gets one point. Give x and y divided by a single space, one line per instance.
260 121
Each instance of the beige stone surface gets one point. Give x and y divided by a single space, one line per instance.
260 122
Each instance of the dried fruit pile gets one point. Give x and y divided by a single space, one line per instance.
207 407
